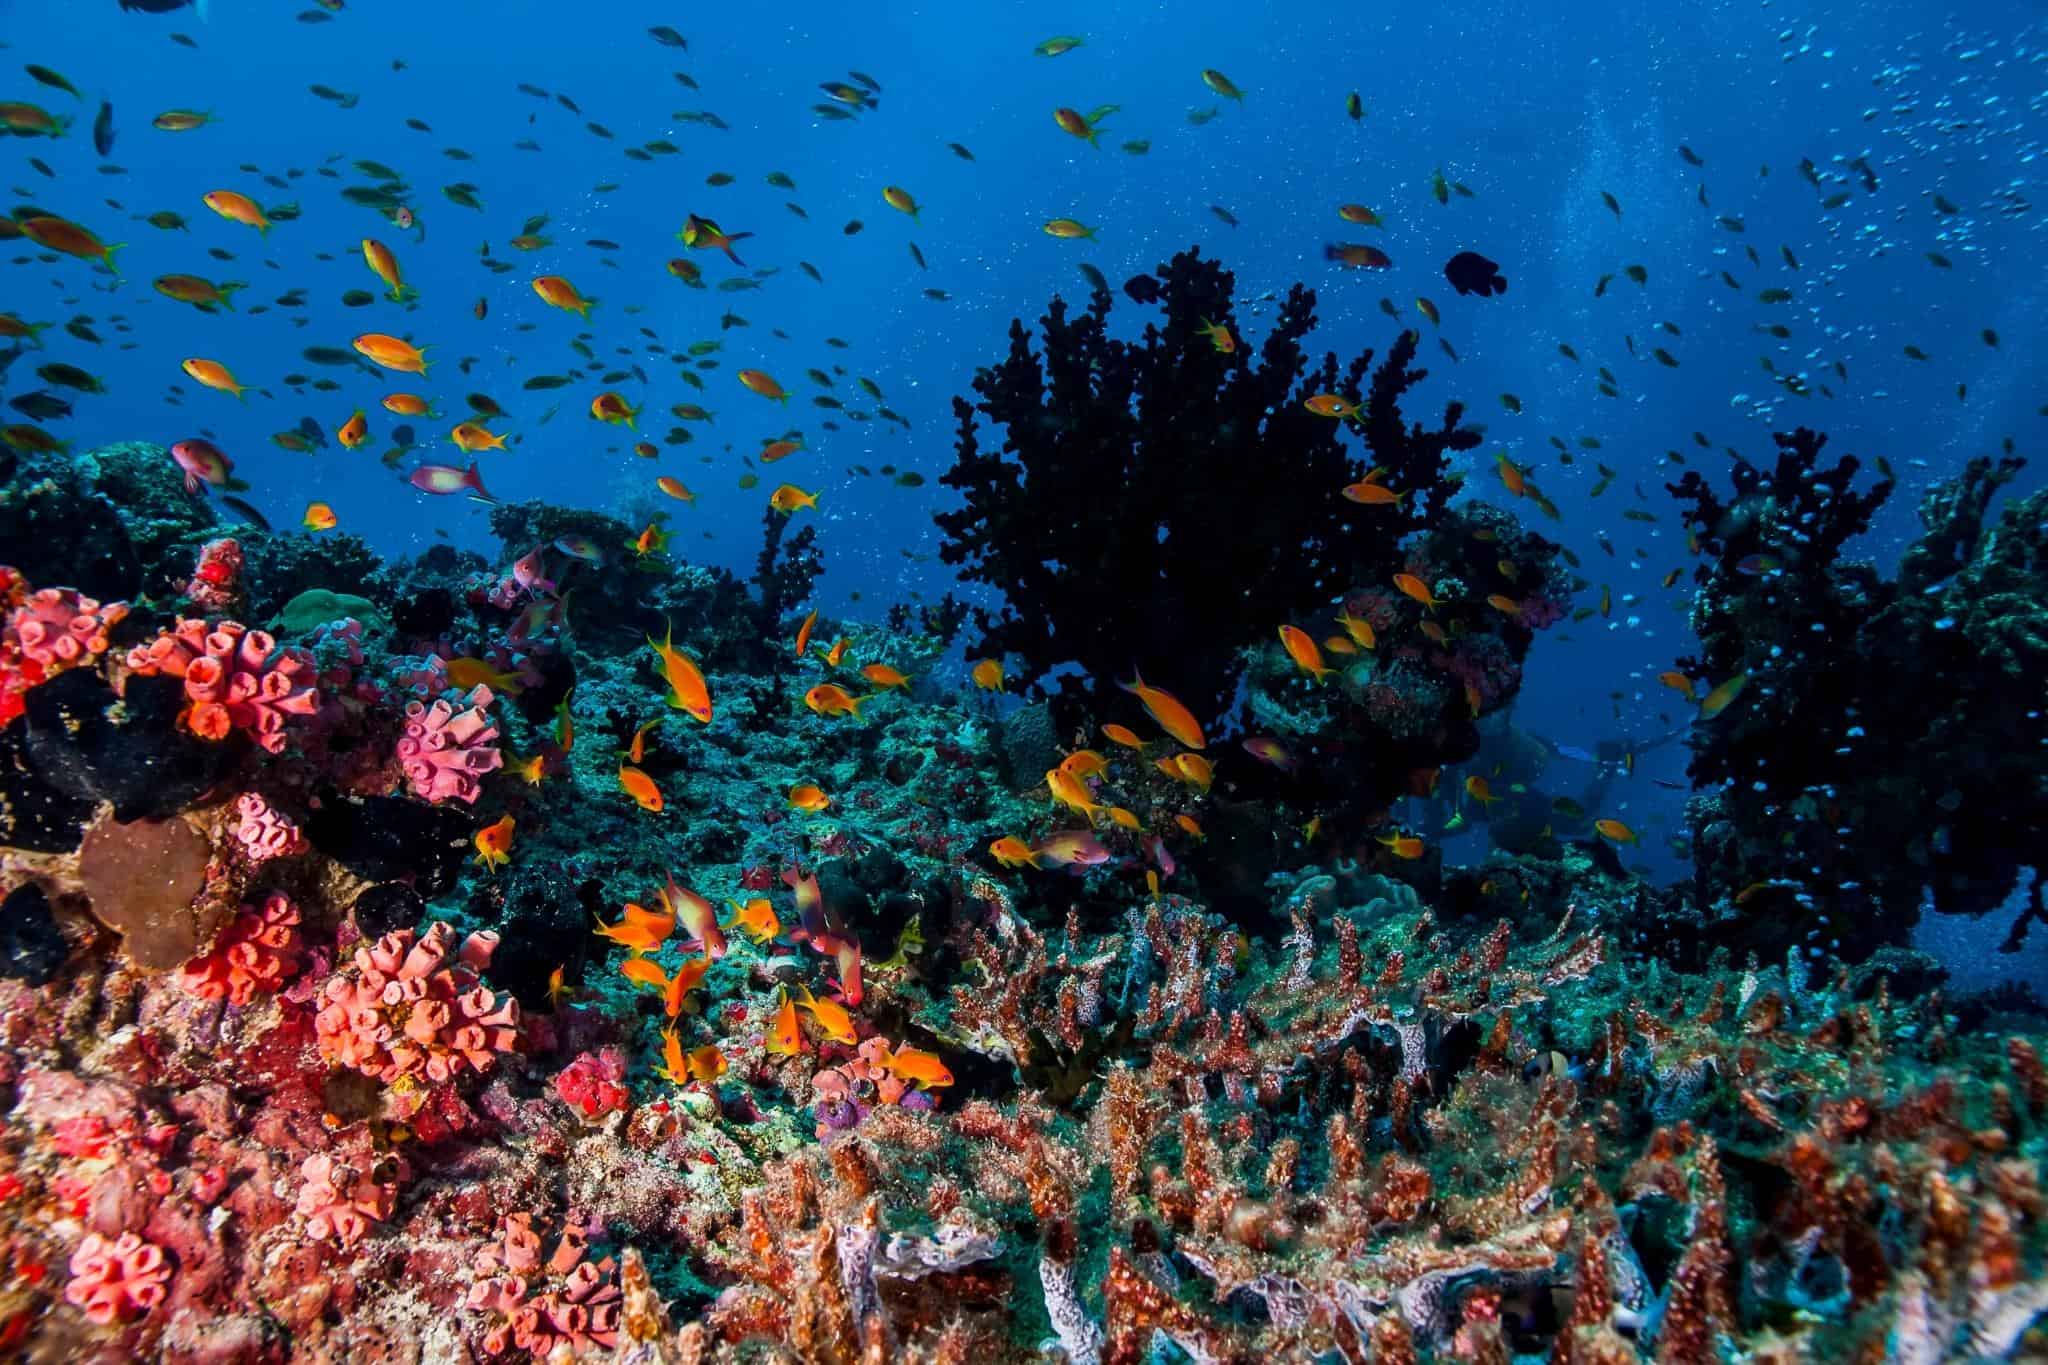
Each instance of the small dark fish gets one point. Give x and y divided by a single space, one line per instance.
181 39
78 327
357 298
1689 156
870 82
602 244
683 79
797 209
42 75
42 166
103 130
567 103
541 382
314 16
1354 107
418 125
668 37
329 355
1094 277
1138 146
599 129
40 406
939 295
1223 213
810 270
918 256
246 512
70 377
910 478
1142 289
960 151
1471 273
851 228
532 90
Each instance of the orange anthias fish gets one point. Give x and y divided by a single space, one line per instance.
806 796
1359 629
688 978
1480 790
830 1016
1195 770
354 431
1124 735
803 633
637 753
639 929
674 1068
836 653
380 259
1084 763
789 498
494 844
988 674
829 699
822 931
756 919
881 675
1011 851
917 1067
1367 493
236 208
1301 647
707 1064
1173 717
640 787
393 353
1615 830
611 407
652 540
698 919
763 383
1403 845
558 292
1678 683
468 672
534 769
1219 336
784 1034
687 690
1415 588
558 991
644 971
1071 792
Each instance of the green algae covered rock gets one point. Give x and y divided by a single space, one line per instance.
315 607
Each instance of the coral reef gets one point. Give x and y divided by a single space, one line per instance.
1880 755
352 1007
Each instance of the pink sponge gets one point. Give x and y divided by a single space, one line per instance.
446 752
117 1281
410 1007
236 679
253 956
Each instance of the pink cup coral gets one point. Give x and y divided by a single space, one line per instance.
236 679
409 1007
446 752
253 956
341 1200
117 1281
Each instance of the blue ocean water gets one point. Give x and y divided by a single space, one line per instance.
1538 110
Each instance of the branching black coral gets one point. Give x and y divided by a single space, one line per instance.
1158 503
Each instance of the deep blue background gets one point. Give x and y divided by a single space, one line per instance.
1538 109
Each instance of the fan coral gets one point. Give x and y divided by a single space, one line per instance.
446 752
256 954
235 679
341 1199
408 1007
119 1280
1134 469
263 832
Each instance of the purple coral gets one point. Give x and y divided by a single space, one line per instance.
446 752
119 1280
264 832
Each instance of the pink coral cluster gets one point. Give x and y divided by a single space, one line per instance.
236 679
217 579
342 1199
410 1007
264 832
592 1084
842 1095
579 1310
43 633
118 1280
446 752
254 955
